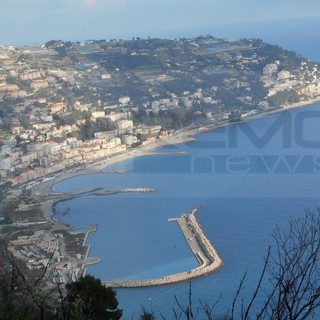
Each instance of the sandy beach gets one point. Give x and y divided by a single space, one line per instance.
43 190
181 136
45 187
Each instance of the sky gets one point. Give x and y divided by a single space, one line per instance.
25 22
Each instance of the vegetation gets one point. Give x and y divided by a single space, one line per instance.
289 287
24 297
282 97
289 284
87 298
146 315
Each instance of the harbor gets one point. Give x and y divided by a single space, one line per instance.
204 251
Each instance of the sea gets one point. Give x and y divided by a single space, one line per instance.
248 179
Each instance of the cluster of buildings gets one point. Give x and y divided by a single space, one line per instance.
41 158
48 101
33 142
68 104
35 249
278 81
40 249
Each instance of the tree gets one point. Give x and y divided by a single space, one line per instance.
21 296
105 124
88 298
283 97
235 115
29 295
288 288
289 284
146 315
294 270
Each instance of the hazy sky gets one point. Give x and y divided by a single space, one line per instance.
37 21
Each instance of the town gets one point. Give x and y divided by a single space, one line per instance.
67 103
64 105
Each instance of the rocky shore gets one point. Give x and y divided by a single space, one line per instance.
201 247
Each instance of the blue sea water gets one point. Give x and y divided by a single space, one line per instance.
247 179
243 196
299 34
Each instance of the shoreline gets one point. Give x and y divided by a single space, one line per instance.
88 260
182 136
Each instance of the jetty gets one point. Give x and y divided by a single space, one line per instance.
127 190
201 247
61 196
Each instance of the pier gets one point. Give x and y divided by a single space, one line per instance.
201 247
127 190
59 196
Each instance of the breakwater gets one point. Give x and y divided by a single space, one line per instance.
201 247
127 190
62 196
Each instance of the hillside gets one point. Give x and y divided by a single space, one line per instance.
67 103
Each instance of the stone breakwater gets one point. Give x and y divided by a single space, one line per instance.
201 247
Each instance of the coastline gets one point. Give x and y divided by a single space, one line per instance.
182 136
87 260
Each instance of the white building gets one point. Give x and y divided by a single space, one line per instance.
270 69
125 124
98 114
115 116
284 75
5 163
124 100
